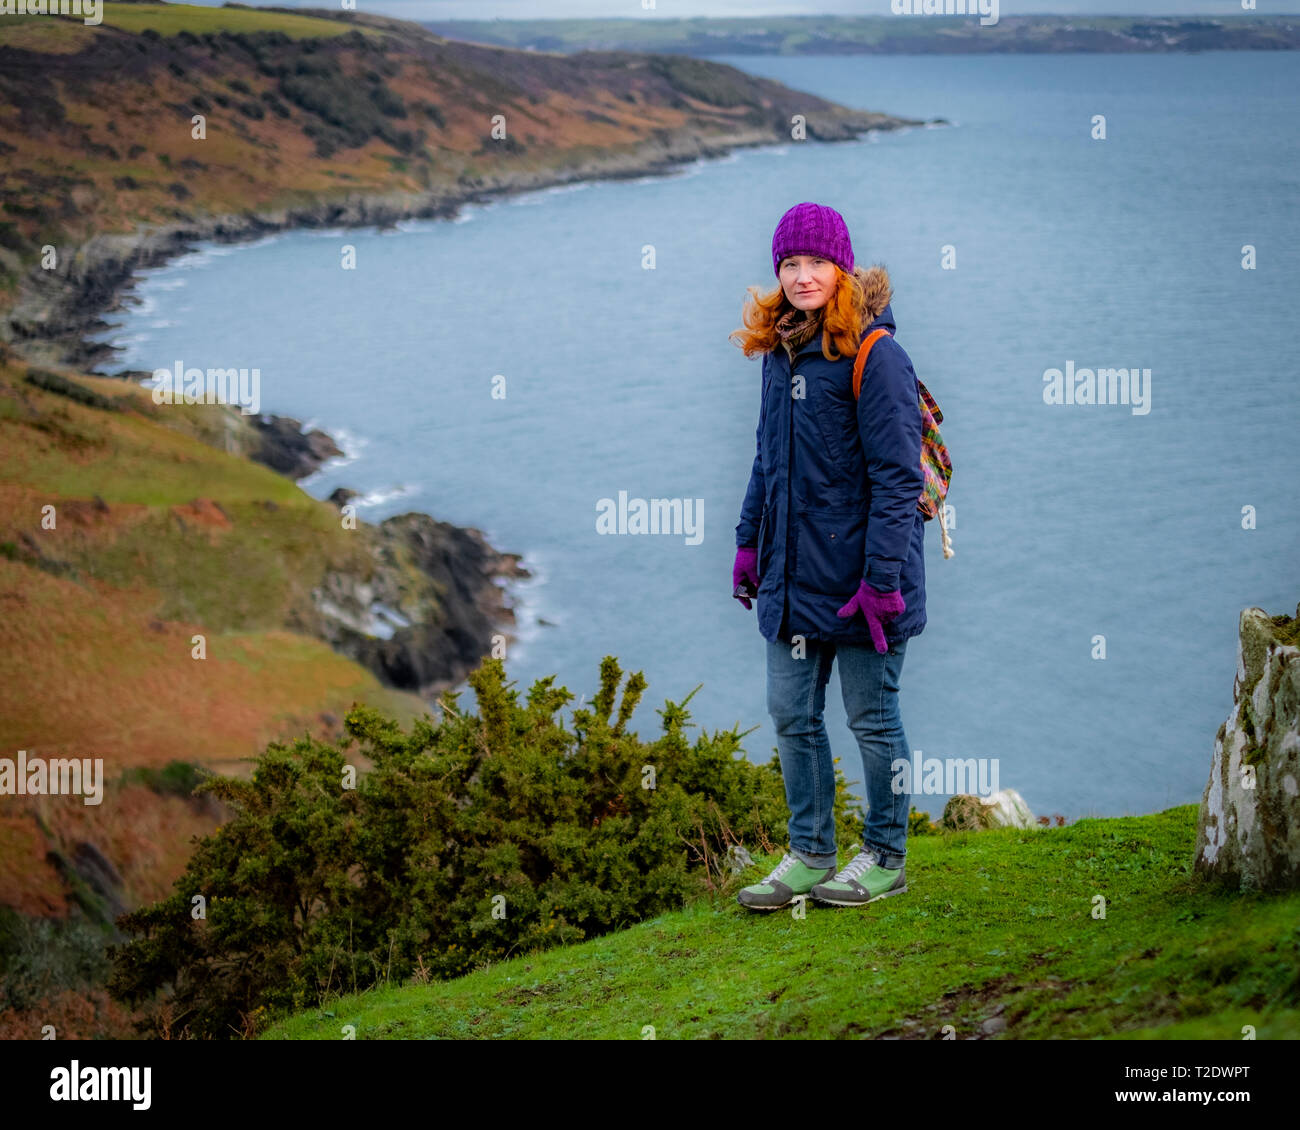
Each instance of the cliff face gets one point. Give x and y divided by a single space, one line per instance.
1249 826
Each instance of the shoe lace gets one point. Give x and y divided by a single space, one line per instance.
857 866
781 868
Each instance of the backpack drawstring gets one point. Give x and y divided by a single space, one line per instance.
948 550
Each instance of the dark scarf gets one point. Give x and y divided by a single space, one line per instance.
795 326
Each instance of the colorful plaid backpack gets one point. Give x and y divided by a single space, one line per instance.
935 461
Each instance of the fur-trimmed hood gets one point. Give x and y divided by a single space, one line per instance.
876 294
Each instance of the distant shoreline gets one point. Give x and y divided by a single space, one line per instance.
797 36
59 317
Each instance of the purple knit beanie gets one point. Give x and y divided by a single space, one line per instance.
812 229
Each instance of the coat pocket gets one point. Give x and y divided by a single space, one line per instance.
830 556
837 425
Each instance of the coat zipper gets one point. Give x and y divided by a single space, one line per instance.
789 469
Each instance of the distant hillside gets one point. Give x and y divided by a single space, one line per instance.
887 35
315 117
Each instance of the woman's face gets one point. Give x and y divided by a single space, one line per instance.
807 280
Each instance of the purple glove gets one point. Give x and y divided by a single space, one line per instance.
745 571
877 607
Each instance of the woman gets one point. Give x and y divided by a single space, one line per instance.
830 540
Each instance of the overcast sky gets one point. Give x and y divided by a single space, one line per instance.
678 9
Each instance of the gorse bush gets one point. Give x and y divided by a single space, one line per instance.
41 957
349 112
469 839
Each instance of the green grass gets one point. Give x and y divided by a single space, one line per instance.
172 19
107 600
995 922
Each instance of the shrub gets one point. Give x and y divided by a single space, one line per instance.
351 112
62 386
176 778
41 957
470 839
278 108
920 824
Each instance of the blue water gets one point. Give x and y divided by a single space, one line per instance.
1072 521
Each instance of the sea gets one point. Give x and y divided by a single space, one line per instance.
523 366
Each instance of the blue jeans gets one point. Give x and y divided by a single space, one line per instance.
796 697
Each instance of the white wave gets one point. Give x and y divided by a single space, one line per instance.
418 226
351 444
524 597
384 495
127 341
191 260
568 186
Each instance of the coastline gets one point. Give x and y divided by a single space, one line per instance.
55 312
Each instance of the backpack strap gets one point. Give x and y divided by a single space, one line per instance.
861 363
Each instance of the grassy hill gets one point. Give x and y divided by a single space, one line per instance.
996 938
158 537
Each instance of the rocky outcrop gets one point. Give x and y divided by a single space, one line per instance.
95 883
283 446
966 812
1248 832
424 614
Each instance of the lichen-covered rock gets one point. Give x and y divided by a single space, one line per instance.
966 812
422 611
1249 826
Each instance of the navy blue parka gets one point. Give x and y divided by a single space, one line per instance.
833 490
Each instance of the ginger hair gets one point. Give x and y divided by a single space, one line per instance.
841 319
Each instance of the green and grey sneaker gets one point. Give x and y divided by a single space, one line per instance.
789 878
862 880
